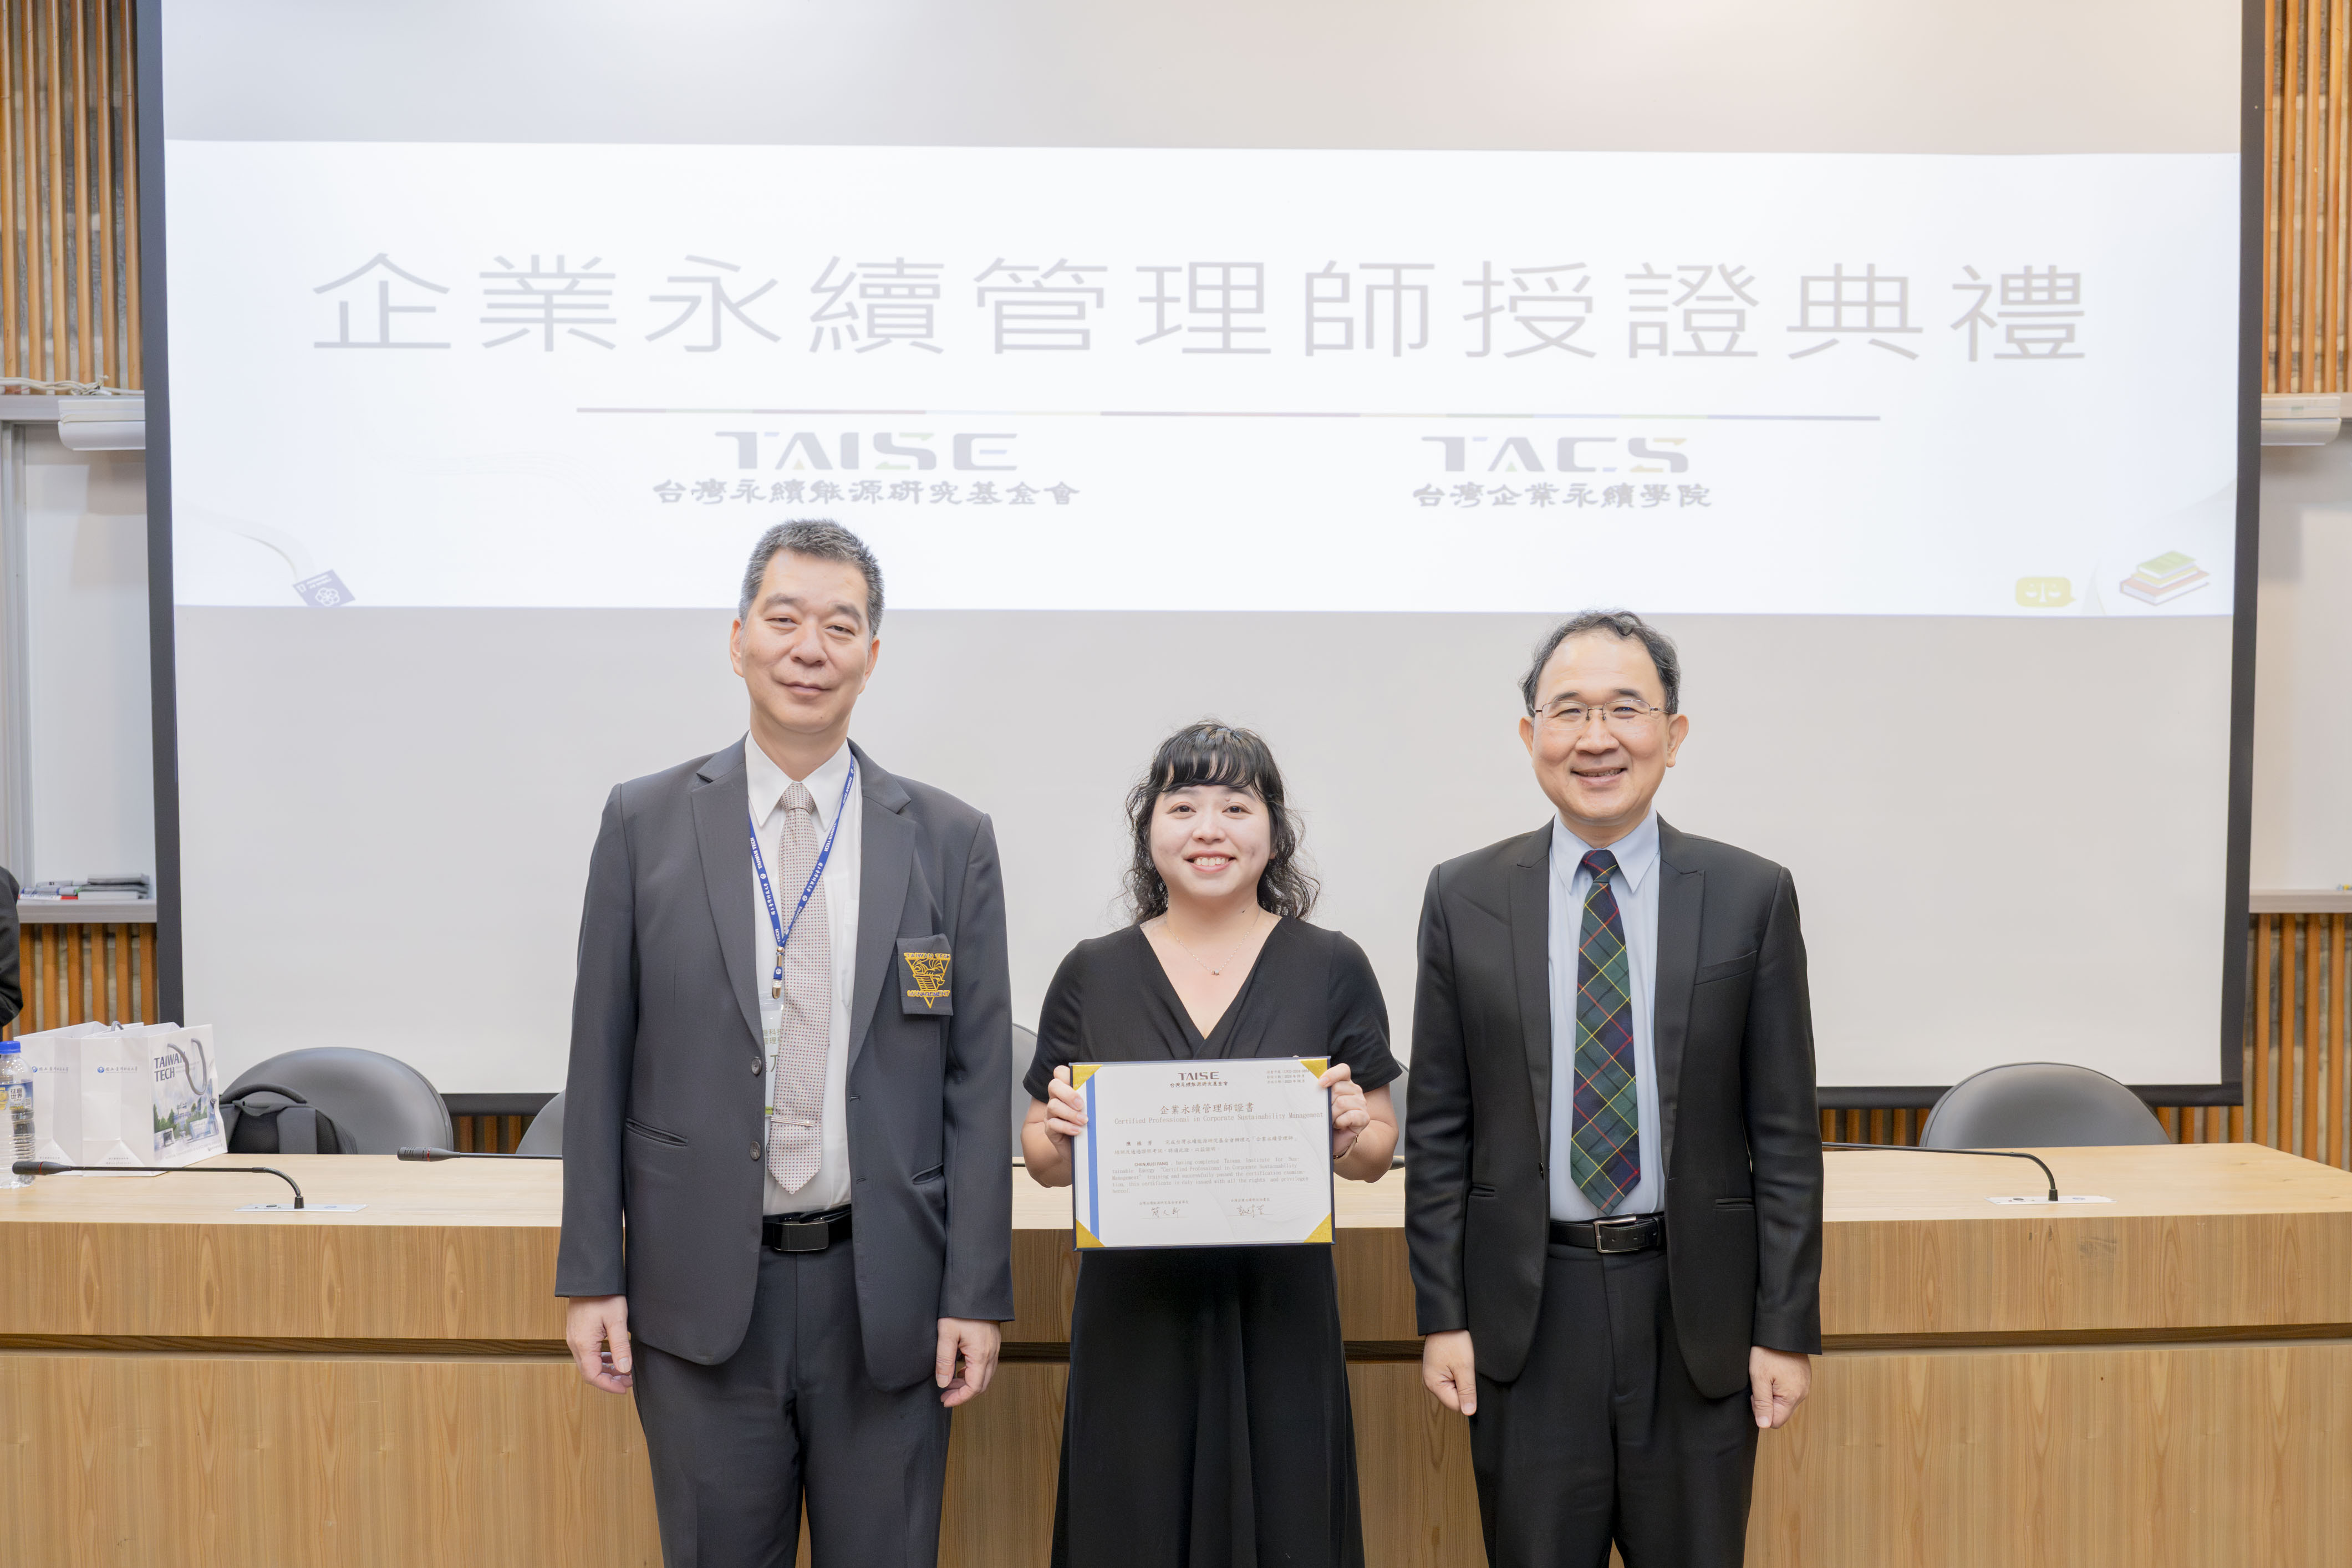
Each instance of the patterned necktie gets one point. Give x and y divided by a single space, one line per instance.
795 1127
1604 1152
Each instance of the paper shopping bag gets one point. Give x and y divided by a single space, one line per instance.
53 1062
117 1105
185 1101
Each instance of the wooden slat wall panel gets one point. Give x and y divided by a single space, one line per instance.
2307 120
69 192
74 973
2298 1068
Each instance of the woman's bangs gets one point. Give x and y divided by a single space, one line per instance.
1221 759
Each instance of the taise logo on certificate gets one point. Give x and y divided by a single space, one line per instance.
1216 1153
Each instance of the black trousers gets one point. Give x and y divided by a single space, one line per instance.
1207 1424
1601 1436
736 1447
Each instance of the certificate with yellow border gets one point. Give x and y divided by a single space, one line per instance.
1206 1153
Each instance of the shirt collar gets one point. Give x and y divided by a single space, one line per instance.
767 783
1636 852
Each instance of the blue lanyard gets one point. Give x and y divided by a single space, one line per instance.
782 933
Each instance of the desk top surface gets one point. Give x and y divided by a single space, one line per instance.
1889 1186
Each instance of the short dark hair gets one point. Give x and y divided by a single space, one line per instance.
819 540
1624 624
1209 752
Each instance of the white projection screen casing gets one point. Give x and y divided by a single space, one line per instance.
1296 364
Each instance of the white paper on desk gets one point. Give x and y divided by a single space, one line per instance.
1204 1152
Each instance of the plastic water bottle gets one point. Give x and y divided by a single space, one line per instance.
16 1086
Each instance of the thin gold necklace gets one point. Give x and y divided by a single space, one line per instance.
1169 927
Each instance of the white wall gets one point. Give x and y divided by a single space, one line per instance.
2303 663
91 762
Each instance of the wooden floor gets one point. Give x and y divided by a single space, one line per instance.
2166 1379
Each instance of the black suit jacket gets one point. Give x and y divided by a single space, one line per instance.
662 1118
1732 1031
12 996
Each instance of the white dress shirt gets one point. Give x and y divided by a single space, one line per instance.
1636 884
766 784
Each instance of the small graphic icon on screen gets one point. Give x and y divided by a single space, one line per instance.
2044 593
2165 577
324 591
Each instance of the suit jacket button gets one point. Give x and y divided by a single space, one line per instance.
755 1150
755 1066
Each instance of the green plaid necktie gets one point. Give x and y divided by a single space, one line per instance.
1604 1150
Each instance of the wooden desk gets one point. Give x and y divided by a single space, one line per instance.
2166 1379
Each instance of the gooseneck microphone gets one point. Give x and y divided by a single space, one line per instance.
1996 1154
413 1153
59 1168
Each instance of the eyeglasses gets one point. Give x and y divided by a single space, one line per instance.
1625 716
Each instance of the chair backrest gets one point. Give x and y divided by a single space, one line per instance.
378 1103
2039 1105
545 1133
1024 1050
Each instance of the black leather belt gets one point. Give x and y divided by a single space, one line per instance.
1624 1233
804 1232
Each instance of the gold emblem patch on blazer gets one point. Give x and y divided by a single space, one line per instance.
929 970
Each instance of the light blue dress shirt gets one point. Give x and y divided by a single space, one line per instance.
1636 884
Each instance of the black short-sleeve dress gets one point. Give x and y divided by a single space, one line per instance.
1207 1422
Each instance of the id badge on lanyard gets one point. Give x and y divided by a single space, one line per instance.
771 1044
772 1005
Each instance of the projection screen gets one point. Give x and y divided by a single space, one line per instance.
1296 364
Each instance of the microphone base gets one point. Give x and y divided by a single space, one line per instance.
307 1208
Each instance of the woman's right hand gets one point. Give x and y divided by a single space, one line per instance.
1066 1111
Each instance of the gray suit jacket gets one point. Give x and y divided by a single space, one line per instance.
662 1117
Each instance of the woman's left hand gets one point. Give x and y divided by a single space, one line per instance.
1348 1115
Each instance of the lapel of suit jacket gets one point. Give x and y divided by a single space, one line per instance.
1681 898
886 849
723 831
1530 878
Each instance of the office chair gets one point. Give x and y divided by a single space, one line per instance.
2039 1105
545 1133
377 1102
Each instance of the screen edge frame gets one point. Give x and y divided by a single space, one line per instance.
2234 1025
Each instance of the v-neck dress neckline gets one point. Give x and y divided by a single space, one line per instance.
1220 1034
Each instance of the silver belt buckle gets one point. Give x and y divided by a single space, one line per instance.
1628 1225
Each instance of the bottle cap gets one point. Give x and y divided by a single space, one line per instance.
10 1048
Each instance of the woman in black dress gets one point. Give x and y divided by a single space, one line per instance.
1207 1424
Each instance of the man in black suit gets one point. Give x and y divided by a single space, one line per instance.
1613 1171
790 1045
11 999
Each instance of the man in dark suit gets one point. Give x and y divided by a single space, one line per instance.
790 1050
1613 1170
12 998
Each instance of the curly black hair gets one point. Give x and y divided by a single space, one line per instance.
1209 752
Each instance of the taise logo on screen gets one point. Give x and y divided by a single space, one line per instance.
900 467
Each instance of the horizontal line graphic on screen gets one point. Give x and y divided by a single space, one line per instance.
1219 414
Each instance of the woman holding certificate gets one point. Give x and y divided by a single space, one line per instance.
1207 1420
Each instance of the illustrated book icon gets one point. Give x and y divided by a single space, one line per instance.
2166 578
